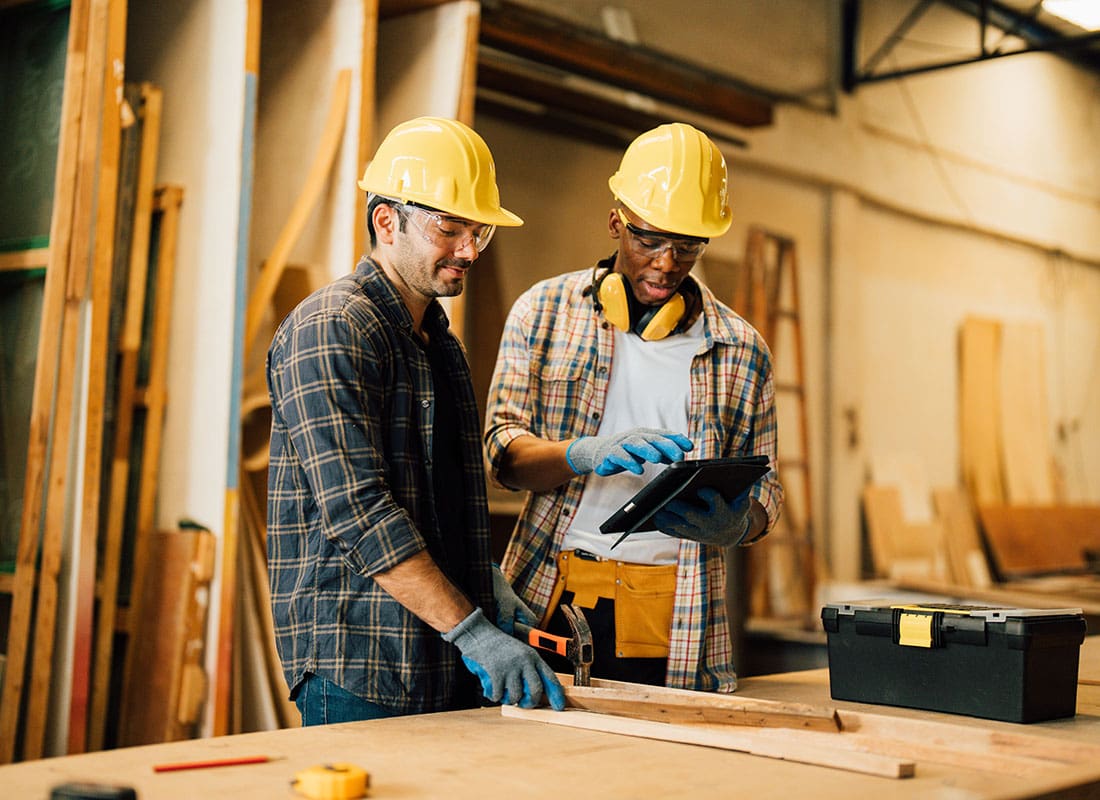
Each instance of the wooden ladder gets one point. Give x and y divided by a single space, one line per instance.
781 570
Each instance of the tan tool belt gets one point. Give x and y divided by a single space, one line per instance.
643 595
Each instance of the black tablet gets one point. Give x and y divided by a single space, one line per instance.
682 480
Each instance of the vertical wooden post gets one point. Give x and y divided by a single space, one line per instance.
129 348
223 676
100 289
94 183
166 203
49 347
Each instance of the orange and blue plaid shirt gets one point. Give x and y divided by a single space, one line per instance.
551 381
350 492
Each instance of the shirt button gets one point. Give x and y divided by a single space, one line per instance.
595 415
425 403
602 370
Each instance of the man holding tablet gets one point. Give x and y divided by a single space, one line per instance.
604 376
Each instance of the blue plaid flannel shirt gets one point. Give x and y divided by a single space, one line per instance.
350 491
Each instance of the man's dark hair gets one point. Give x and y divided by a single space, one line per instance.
373 201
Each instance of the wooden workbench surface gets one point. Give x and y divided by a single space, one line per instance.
479 754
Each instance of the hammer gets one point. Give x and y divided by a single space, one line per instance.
578 648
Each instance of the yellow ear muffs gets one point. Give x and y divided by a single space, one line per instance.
611 295
662 320
655 323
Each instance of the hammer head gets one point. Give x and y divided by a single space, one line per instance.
579 650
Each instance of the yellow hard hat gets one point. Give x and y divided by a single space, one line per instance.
674 178
440 163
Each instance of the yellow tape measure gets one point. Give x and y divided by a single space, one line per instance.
332 782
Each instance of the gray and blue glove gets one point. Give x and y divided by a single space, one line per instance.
719 523
510 671
627 451
510 608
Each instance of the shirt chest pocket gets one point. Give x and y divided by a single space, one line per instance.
558 368
563 392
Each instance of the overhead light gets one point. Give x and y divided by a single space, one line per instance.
1082 13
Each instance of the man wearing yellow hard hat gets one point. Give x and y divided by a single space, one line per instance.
605 375
382 589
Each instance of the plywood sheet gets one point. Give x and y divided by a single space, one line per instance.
1028 464
979 409
966 560
168 638
1029 540
907 472
882 512
900 548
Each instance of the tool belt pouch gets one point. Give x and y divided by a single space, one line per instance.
643 596
643 610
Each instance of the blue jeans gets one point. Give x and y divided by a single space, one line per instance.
322 702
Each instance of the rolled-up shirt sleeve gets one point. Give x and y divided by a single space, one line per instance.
762 439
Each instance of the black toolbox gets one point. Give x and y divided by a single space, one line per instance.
1012 664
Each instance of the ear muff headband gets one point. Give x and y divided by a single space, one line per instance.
611 296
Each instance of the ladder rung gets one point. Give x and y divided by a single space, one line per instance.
792 463
789 387
787 313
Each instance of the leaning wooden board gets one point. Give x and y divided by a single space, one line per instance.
1037 539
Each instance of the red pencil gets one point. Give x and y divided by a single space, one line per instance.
218 762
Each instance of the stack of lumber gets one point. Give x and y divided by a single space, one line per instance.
1008 463
947 548
1009 521
67 415
96 415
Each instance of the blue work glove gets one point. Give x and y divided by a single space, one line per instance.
719 523
510 671
627 451
510 609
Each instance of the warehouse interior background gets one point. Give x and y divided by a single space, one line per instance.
921 204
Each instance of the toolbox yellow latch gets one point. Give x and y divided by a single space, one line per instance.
915 630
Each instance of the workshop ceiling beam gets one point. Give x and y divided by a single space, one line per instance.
1038 38
548 40
603 118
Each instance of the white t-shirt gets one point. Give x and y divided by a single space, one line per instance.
650 387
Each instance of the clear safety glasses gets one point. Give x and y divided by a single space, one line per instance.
650 244
448 233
